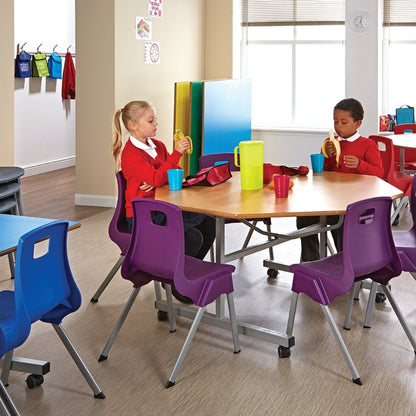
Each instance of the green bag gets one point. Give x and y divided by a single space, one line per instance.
39 65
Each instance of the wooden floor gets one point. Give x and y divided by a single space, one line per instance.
213 381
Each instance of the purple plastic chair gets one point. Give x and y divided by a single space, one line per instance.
118 233
405 242
209 160
368 253
156 253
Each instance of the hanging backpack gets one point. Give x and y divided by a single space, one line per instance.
22 65
55 66
39 65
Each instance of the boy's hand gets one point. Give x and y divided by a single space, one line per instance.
146 187
330 148
183 145
351 161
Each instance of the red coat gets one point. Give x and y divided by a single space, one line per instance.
68 78
366 150
138 167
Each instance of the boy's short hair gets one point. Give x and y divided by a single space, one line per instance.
353 106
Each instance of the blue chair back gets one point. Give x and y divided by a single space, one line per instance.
44 285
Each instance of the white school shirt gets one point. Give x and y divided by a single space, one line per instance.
352 138
149 148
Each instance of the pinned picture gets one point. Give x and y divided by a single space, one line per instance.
155 8
143 28
152 53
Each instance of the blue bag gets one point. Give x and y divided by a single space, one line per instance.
405 115
22 68
55 66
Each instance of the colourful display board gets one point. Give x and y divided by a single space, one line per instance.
195 129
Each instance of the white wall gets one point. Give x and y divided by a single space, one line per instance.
44 124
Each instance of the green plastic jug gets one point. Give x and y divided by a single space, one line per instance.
251 164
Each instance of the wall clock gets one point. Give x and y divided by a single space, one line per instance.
359 21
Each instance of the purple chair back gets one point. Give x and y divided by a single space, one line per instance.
368 246
155 250
206 161
117 229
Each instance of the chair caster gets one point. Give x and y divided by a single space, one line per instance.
272 273
380 297
283 352
34 380
94 300
169 384
102 358
162 316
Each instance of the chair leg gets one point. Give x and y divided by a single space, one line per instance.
119 324
107 280
7 365
186 345
233 320
399 315
341 343
292 313
98 394
350 301
11 264
370 304
6 404
171 311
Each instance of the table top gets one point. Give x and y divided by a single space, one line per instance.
326 193
404 140
14 226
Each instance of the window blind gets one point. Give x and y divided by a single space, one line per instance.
293 12
399 13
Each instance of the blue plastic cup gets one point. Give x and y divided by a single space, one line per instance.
317 160
175 177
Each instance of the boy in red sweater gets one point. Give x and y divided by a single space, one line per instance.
358 155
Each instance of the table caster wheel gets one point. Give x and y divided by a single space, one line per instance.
283 352
162 316
34 380
272 273
380 297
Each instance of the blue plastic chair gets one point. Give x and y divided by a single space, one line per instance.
199 280
368 253
118 232
44 290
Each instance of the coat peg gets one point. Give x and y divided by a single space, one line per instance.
67 49
37 50
54 47
21 48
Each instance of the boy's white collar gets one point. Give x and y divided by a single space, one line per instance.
352 138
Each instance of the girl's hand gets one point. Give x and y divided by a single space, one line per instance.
351 162
182 145
146 187
330 148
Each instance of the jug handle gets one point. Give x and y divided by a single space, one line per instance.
236 156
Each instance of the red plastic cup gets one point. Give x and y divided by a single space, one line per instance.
281 185
267 172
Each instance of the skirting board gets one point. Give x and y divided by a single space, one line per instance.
96 200
49 166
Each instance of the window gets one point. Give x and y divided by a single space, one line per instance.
293 51
399 54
